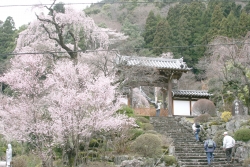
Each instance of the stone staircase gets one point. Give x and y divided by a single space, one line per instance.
188 152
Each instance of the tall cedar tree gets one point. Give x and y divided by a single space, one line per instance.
173 18
150 28
7 42
7 35
229 26
244 24
216 20
162 38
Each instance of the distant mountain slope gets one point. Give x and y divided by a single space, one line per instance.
112 15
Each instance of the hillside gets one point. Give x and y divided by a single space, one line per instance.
113 15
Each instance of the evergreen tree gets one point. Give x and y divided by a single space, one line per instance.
162 38
247 8
229 25
7 41
215 24
244 24
150 28
173 18
7 37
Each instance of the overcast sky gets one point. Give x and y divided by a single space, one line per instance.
23 12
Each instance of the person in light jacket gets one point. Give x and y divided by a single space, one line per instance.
209 150
228 144
158 109
196 130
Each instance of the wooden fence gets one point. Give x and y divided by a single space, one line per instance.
149 112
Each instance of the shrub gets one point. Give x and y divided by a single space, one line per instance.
134 133
147 126
142 120
247 123
215 123
218 138
93 143
90 11
246 162
152 132
226 116
126 110
242 135
169 160
106 7
148 145
26 161
203 106
202 118
165 141
20 161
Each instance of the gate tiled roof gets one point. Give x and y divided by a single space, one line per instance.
159 62
191 93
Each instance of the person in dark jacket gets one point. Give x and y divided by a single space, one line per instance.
209 149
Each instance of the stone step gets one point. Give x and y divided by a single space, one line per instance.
194 154
200 159
213 165
188 152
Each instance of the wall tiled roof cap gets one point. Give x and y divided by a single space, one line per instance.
158 62
191 93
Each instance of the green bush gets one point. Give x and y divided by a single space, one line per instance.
246 162
106 7
147 126
203 118
20 161
126 110
215 123
218 137
152 132
169 160
148 145
134 133
142 120
93 143
247 123
58 151
90 11
242 135
26 161
226 116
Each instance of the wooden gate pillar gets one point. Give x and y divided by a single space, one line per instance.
170 103
130 97
164 97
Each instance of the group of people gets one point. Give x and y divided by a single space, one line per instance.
210 145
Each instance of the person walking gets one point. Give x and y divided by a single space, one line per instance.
209 146
196 129
228 144
158 108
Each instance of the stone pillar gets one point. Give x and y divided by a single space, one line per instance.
9 156
238 108
171 150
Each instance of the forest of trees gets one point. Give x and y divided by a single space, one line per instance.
189 27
